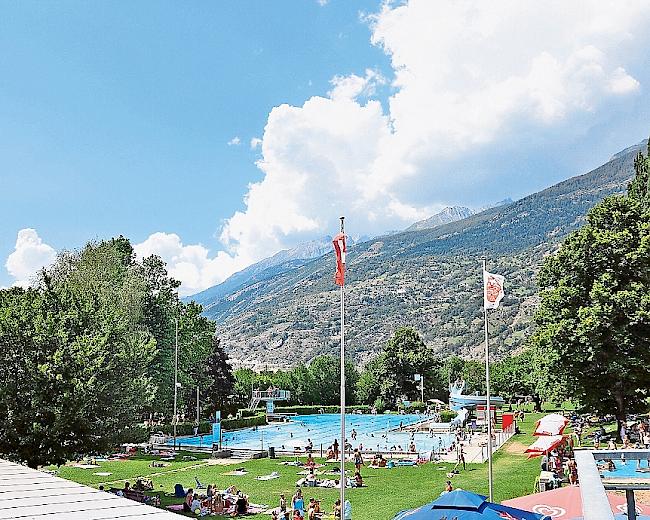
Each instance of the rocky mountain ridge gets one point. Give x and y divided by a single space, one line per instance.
428 279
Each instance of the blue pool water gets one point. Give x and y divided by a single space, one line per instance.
628 469
373 432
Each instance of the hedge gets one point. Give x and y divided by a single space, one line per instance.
244 422
245 412
314 409
135 434
185 428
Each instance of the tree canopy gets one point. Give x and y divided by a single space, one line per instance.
85 353
594 317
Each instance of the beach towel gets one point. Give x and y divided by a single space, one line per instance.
236 473
406 463
175 507
103 474
272 476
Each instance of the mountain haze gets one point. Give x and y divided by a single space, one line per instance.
429 279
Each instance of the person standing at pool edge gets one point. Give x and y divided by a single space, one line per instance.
335 447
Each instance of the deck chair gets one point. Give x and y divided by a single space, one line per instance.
198 483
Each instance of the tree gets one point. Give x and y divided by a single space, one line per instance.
218 379
405 355
368 386
74 358
325 378
89 351
594 317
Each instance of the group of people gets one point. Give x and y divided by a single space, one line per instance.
299 510
561 463
214 501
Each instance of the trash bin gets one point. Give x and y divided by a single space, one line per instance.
271 452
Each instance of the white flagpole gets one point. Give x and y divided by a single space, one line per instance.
342 481
487 388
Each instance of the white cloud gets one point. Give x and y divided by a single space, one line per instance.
353 86
322 2
256 142
622 83
191 264
467 76
235 141
29 256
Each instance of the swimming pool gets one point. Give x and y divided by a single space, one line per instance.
629 469
373 432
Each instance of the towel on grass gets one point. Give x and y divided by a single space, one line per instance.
236 473
273 475
103 474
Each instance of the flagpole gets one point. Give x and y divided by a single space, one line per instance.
487 388
342 482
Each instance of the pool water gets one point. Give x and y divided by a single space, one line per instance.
373 432
629 469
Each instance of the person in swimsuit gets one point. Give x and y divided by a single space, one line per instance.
358 460
298 503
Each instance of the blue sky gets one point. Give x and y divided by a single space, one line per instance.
136 118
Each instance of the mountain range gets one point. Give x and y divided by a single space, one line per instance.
285 309
452 214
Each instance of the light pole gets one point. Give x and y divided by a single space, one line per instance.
174 419
420 378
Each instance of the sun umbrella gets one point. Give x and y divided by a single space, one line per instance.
566 503
544 444
551 424
465 505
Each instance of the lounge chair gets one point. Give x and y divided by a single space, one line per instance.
198 483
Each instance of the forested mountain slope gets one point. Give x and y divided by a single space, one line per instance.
428 279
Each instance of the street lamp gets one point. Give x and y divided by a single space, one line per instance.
176 383
420 378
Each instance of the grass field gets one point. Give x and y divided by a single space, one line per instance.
388 490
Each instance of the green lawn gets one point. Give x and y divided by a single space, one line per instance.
388 490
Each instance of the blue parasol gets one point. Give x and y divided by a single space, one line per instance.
465 505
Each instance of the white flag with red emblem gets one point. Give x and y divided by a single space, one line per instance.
492 290
340 250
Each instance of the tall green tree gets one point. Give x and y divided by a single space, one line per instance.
74 358
217 380
405 355
594 318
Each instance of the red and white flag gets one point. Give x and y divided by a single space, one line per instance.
492 290
339 248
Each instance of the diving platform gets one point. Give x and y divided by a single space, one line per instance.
269 397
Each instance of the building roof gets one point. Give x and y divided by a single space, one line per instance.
33 495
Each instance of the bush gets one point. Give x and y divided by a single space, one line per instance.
135 434
314 409
185 428
447 415
380 405
416 406
244 422
245 412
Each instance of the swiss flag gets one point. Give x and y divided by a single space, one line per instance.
339 248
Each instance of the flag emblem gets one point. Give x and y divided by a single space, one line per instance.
492 289
340 250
